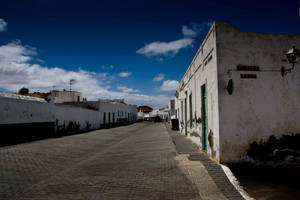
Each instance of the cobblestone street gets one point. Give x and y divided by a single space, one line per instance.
138 161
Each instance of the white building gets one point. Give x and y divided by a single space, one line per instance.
163 113
262 103
114 112
57 96
31 115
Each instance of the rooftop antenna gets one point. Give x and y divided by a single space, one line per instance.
71 83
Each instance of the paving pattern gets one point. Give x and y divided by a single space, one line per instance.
130 162
184 146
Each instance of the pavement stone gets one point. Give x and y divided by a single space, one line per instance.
185 146
138 161
130 162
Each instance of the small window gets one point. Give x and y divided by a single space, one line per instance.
248 76
209 58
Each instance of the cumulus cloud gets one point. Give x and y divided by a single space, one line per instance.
107 67
16 71
165 48
186 32
126 89
194 29
169 85
124 74
159 77
173 47
3 25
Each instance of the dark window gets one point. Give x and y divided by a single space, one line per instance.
248 76
104 118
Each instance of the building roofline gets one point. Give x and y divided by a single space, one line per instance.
219 22
202 44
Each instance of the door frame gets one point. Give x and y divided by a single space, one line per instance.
185 116
204 116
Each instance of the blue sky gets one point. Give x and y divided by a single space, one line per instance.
115 49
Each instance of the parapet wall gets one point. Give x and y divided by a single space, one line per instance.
64 117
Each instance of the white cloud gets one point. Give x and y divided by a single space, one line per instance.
169 85
173 47
186 32
124 74
16 71
126 89
159 77
165 48
194 29
3 25
107 67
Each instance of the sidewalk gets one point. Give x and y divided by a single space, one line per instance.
209 176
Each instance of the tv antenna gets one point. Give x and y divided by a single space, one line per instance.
71 83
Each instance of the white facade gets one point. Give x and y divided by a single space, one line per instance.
116 112
263 103
163 114
73 117
64 96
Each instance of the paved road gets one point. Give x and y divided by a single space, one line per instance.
138 161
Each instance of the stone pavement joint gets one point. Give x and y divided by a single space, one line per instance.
138 161
185 146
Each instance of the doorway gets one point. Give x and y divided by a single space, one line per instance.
113 118
185 117
104 118
204 117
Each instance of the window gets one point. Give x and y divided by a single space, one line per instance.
209 58
104 118
248 76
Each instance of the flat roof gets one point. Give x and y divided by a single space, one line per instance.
22 97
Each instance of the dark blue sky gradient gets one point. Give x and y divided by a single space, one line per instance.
89 34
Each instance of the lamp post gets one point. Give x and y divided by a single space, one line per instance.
293 56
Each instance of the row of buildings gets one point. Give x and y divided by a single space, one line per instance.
146 113
60 112
240 89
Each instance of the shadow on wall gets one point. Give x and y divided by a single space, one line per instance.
26 132
282 151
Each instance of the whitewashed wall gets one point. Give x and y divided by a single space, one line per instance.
86 118
64 96
258 108
201 72
24 111
17 111
120 111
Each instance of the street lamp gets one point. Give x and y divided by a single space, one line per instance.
293 56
